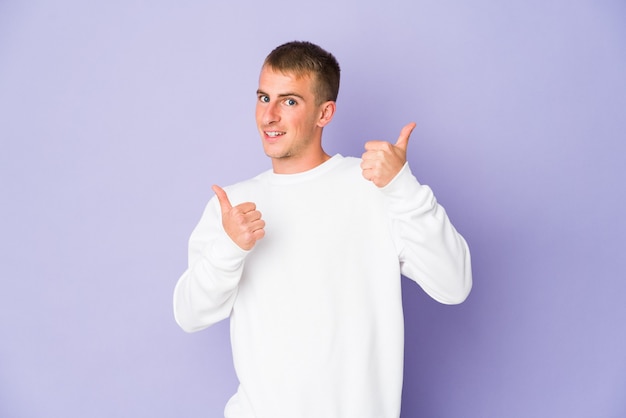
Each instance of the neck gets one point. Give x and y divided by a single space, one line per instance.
293 165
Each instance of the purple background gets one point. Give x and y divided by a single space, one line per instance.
116 117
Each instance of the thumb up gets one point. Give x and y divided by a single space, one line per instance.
242 223
403 140
382 160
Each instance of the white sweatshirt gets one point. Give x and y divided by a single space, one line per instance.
315 307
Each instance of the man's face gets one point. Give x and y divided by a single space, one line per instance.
287 115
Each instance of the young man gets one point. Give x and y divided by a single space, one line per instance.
306 258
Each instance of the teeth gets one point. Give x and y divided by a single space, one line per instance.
274 134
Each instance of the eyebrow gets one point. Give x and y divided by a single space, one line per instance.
261 92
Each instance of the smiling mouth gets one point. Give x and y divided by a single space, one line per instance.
274 134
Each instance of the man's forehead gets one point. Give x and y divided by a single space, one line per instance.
277 79
288 72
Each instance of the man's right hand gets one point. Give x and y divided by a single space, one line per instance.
242 223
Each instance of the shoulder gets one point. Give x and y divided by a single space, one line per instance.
245 190
351 162
349 175
348 165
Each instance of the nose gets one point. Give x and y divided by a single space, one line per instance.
271 114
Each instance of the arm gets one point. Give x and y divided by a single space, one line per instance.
430 250
218 246
206 291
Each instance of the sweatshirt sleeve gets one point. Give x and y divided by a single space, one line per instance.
206 291
430 250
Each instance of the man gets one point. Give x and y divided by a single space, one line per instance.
306 258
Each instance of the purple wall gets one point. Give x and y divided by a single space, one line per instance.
116 118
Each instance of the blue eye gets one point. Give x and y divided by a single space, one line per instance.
264 99
290 102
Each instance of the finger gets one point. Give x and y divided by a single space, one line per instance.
367 174
251 216
258 225
405 133
370 155
375 145
370 163
222 197
259 234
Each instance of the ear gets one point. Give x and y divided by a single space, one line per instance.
327 112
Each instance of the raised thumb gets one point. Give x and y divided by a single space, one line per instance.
405 133
222 197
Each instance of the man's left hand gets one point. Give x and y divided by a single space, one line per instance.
382 160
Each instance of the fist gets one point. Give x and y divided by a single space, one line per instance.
382 160
242 223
